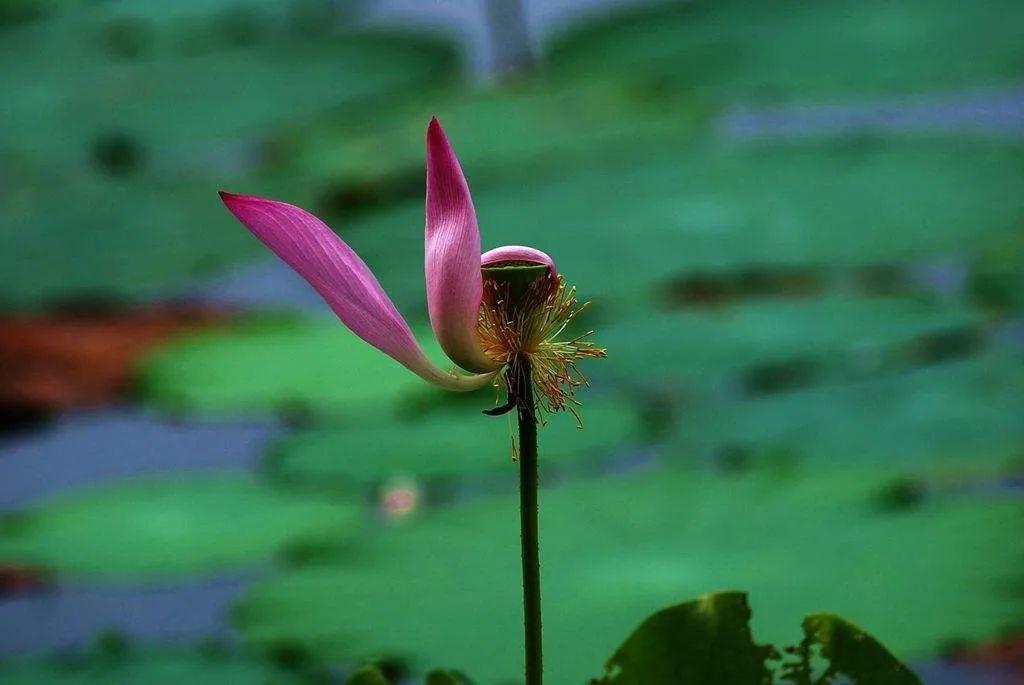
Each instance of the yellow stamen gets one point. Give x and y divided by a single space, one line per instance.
532 328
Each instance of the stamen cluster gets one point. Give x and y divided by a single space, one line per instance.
530 326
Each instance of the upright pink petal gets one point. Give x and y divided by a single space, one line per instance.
336 272
454 283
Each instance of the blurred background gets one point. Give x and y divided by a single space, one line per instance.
801 225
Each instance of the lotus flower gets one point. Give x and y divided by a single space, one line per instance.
479 325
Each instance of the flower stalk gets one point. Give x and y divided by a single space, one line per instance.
528 517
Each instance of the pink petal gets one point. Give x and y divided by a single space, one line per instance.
336 272
454 283
517 253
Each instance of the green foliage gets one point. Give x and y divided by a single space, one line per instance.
782 50
447 677
367 675
704 641
709 641
370 675
172 526
798 541
849 652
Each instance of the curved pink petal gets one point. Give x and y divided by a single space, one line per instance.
454 283
336 272
517 253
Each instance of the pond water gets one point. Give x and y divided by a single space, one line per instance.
999 112
72 616
88 448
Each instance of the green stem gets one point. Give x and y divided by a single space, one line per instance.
528 520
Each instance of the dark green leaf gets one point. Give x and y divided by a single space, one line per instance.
853 653
367 675
443 676
704 641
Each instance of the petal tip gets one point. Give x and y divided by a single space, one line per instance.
234 199
438 146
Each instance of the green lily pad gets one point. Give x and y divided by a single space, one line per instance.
704 641
367 675
270 365
119 158
447 677
853 653
964 414
370 675
708 209
114 240
749 51
446 588
651 79
171 526
703 348
176 101
150 666
708 640
446 446
545 125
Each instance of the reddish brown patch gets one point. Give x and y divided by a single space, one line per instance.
19 579
50 362
1005 652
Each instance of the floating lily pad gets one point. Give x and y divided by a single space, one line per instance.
283 365
747 51
706 348
446 446
673 69
177 525
447 588
621 231
965 414
177 98
119 159
546 126
107 240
